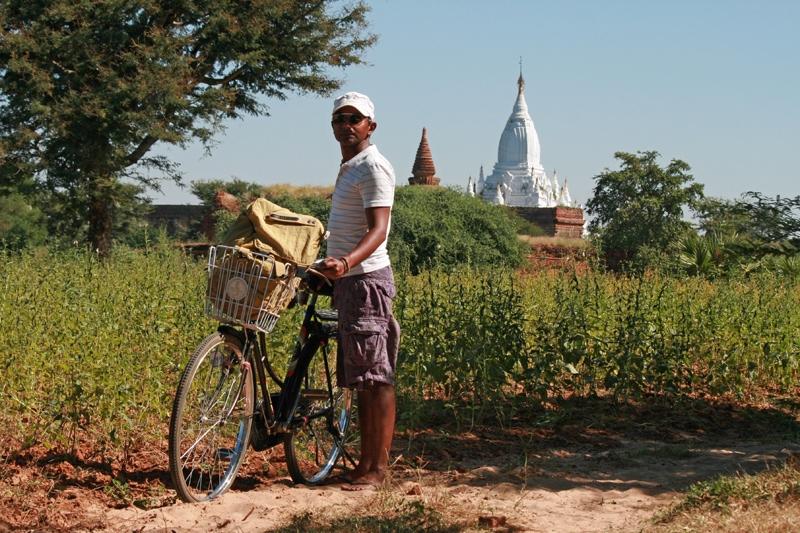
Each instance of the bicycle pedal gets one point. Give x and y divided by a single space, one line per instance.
328 315
314 395
260 438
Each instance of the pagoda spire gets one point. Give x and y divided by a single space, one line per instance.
520 80
556 185
423 172
564 198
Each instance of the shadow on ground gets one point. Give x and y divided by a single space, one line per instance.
654 446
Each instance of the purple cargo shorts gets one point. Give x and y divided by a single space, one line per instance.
369 335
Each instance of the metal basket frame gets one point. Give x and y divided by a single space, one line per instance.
243 288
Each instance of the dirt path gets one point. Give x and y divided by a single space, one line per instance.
587 465
613 489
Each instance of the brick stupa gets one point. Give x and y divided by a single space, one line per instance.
423 171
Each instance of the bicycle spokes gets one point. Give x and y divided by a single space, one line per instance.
213 423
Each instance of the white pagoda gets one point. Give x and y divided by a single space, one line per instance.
518 178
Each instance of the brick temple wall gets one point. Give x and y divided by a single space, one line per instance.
555 221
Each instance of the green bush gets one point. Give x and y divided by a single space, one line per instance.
438 227
431 226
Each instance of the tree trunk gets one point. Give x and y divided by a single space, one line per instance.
100 221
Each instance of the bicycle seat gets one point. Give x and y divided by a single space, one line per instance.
327 315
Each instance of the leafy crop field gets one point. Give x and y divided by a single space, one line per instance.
91 351
494 341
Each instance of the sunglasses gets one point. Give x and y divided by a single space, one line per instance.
347 118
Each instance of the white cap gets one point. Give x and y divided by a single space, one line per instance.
360 101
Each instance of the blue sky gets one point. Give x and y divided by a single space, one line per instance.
714 83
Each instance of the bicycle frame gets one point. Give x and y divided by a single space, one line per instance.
277 411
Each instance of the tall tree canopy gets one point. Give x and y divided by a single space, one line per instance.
87 87
640 207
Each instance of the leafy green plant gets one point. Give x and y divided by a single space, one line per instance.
120 491
91 351
484 343
787 266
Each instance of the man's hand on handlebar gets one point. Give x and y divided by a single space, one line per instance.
331 267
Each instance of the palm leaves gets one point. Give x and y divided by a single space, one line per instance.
711 255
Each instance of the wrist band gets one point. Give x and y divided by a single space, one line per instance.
346 264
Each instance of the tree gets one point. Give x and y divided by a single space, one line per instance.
757 225
88 87
638 210
759 218
21 224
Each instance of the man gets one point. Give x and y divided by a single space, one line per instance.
359 225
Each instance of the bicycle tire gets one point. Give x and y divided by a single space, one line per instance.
312 449
211 419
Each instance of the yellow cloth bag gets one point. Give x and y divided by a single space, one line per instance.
290 238
268 228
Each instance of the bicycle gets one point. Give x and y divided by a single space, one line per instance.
217 412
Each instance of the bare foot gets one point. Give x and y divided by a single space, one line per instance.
338 479
360 485
356 474
369 481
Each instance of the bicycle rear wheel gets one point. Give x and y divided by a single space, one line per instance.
211 416
326 433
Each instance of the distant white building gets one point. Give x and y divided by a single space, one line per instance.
518 178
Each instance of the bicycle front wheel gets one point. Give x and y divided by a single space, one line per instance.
326 433
210 425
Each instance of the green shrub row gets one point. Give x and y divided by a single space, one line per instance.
432 227
91 351
491 339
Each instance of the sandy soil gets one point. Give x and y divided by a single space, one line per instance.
585 467
560 491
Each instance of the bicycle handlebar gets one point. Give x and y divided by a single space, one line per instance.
314 280
307 273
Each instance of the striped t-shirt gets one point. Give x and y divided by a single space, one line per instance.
366 180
